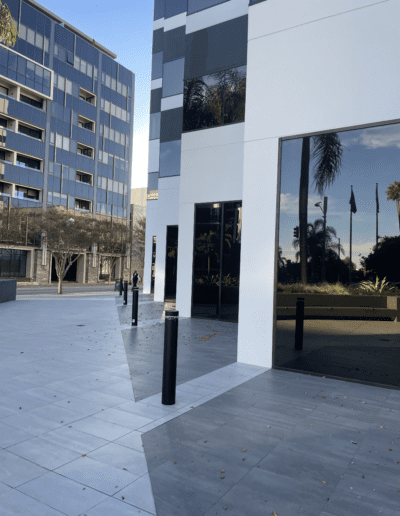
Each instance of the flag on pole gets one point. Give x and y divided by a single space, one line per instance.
377 200
353 202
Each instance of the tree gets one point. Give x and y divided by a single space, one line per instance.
112 240
393 193
314 244
328 151
281 260
139 239
64 237
384 259
8 27
18 225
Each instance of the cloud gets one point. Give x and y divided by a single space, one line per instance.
373 137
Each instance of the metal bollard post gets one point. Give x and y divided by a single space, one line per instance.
170 356
125 292
135 305
120 286
298 340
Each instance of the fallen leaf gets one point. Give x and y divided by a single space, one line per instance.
353 443
222 471
389 449
323 481
244 449
84 455
174 461
222 477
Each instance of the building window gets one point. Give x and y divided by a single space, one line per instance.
32 102
24 161
81 204
56 50
215 99
84 178
85 151
3 122
26 193
3 90
87 96
85 123
29 131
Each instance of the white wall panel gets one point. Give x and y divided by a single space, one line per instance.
217 14
174 22
158 24
168 215
173 102
185 260
154 156
334 73
212 165
258 252
151 230
156 83
277 15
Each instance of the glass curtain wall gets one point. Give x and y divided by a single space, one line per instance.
216 260
171 262
13 263
339 250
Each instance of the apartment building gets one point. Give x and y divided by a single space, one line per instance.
66 117
247 100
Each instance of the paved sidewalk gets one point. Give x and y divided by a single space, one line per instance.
240 440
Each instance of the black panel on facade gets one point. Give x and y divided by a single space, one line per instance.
195 6
158 40
216 48
159 9
155 100
156 66
174 7
174 44
171 125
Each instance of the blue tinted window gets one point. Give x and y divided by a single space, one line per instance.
170 159
174 7
155 126
172 83
198 5
159 9
156 66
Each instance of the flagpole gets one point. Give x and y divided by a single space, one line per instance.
351 227
377 211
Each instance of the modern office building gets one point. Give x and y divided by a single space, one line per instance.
66 111
252 106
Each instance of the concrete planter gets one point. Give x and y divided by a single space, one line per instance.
339 306
8 290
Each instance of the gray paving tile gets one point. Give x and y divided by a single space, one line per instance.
120 417
31 423
121 457
102 398
144 410
85 407
139 494
122 389
116 508
63 494
45 394
57 414
98 475
20 399
15 471
100 428
68 387
74 440
16 503
132 440
44 453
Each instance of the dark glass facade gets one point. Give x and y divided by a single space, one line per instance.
339 250
75 116
216 260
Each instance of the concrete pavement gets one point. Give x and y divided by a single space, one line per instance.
80 434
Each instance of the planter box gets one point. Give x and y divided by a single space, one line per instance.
338 306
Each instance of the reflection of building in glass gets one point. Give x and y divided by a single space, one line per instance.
250 124
66 127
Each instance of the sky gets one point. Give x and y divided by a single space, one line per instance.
370 156
126 28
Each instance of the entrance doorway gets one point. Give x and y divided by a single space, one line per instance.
216 260
153 265
71 273
171 262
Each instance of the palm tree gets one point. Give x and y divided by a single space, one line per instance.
393 193
314 243
328 151
281 259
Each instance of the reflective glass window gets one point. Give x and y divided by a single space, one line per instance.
22 32
89 70
66 143
112 134
31 37
68 86
61 83
106 132
118 112
77 62
198 5
172 83
55 49
103 77
39 40
108 81
124 116
59 141
113 84
119 87
83 66
124 90
117 137
157 66
155 120
170 158
112 109
52 138
46 45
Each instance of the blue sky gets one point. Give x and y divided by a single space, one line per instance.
370 156
124 27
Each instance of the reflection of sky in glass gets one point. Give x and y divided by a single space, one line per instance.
370 156
170 158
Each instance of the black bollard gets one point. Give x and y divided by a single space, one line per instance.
125 292
170 356
135 305
120 286
298 340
